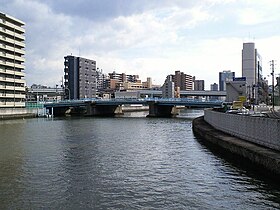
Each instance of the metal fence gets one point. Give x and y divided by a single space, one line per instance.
259 130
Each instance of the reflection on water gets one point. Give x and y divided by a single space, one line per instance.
127 162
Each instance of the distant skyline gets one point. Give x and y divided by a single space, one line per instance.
151 38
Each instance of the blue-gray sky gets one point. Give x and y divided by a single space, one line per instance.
152 38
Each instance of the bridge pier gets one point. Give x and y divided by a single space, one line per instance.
156 110
62 111
93 109
57 111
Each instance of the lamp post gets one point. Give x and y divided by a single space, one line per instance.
272 74
56 93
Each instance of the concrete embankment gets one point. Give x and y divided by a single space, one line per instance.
261 157
18 113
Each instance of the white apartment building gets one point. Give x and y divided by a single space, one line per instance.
12 51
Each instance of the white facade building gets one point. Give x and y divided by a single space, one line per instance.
12 82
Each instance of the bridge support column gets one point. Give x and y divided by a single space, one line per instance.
93 109
57 111
156 110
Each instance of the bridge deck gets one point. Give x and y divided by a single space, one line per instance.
146 101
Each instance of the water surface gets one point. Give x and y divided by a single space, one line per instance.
128 162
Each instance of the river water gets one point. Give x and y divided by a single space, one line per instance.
128 162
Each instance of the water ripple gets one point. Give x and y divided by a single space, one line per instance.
120 163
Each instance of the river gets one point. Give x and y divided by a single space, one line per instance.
127 162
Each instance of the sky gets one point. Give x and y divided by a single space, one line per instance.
150 38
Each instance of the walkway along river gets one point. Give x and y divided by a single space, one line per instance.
128 162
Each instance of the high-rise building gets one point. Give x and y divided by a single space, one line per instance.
80 77
101 79
198 84
252 71
214 87
12 82
168 89
182 80
225 76
251 64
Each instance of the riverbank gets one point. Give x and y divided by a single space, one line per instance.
265 160
17 113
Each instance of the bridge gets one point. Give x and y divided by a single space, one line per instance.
184 93
158 107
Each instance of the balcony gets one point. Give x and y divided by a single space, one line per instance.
6 87
9 95
12 34
13 26
11 104
6 79
10 56
10 72
11 49
10 64
12 41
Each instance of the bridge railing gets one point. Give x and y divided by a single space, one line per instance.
135 100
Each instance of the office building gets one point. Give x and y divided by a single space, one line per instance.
252 71
182 80
198 84
225 76
12 51
214 87
80 77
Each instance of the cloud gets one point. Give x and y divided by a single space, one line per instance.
198 37
259 12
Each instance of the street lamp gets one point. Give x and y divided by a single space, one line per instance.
272 74
56 93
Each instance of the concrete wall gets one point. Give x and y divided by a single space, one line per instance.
259 130
8 113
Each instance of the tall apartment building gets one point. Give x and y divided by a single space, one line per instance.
252 70
225 76
198 84
80 77
101 79
123 77
168 89
12 44
182 80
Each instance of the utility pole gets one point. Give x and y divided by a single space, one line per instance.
272 73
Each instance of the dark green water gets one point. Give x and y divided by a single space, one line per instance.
128 162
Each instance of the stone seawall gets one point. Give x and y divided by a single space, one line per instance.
261 157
